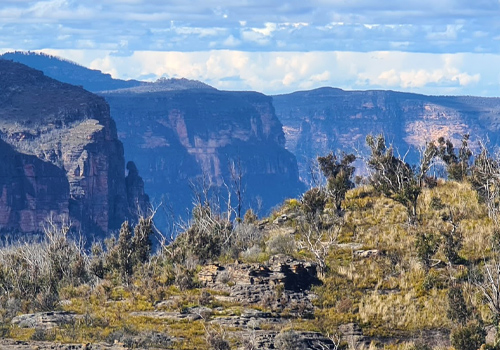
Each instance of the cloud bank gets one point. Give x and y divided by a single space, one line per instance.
283 72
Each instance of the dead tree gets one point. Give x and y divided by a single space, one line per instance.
485 179
318 241
236 172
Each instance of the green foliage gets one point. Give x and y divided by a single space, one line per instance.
124 255
427 245
125 248
451 244
250 217
420 345
457 309
217 342
243 237
468 337
141 242
395 178
204 239
457 165
42 334
35 273
485 179
287 340
313 202
281 244
338 172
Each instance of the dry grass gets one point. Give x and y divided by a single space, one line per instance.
404 311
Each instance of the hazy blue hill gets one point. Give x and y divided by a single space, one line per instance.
164 84
69 72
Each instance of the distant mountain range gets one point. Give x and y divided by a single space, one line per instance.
177 130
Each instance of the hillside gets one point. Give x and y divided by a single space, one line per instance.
178 137
69 72
310 276
179 131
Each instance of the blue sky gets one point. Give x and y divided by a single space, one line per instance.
434 47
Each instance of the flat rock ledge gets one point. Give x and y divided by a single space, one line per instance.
45 320
39 345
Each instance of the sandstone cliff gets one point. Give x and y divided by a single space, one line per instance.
175 130
319 121
61 155
176 136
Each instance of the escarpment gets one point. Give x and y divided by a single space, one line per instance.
61 157
321 120
179 136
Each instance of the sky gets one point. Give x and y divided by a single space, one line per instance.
440 47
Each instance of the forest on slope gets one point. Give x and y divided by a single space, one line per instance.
397 260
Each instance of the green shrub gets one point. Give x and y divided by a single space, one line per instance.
313 201
244 236
457 309
427 245
468 337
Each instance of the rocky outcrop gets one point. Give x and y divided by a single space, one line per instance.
138 200
31 190
353 336
45 320
327 119
62 157
282 283
296 339
47 345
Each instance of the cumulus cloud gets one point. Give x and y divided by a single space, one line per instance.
282 72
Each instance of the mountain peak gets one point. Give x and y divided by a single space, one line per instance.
166 84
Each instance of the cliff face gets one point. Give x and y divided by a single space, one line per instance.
176 130
61 140
31 191
323 120
177 136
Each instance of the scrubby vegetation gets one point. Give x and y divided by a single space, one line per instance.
404 255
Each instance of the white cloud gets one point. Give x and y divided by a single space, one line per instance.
280 72
231 41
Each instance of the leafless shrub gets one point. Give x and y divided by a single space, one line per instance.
252 254
281 244
244 236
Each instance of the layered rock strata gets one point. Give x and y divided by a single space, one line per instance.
62 159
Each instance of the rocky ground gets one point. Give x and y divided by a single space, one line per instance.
281 285
43 345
